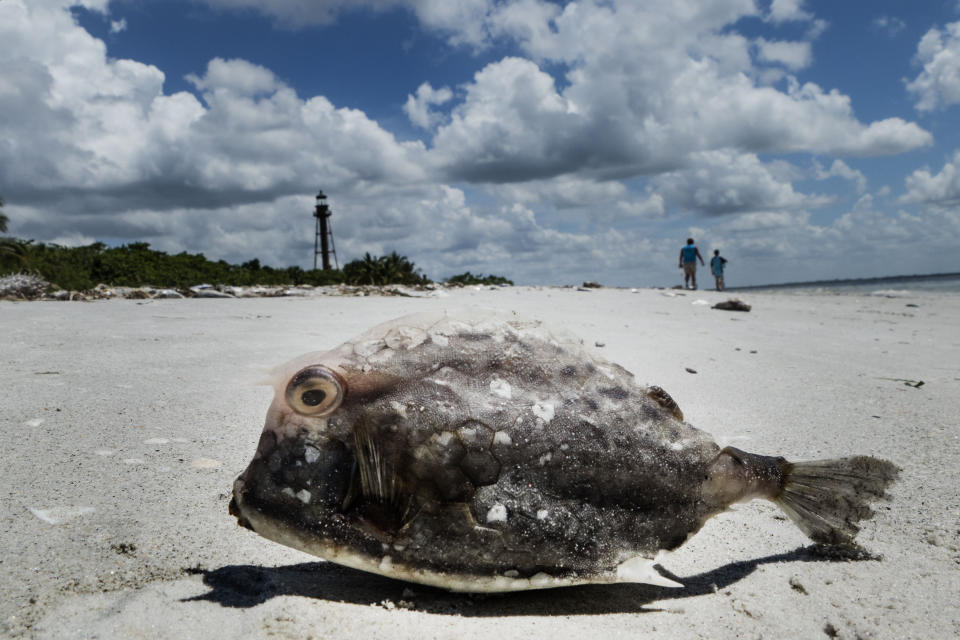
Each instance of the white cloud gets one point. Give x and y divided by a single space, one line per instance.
466 22
788 11
942 188
724 182
646 83
99 132
649 208
645 87
73 240
238 77
841 169
938 84
889 25
81 119
563 192
100 6
793 55
765 221
862 242
512 126
118 26
418 106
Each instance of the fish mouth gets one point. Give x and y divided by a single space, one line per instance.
234 508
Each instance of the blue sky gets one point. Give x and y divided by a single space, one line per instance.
551 142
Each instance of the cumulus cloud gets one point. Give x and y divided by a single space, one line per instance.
938 84
841 169
793 55
862 242
788 11
239 77
563 192
99 132
512 126
645 84
651 207
942 188
724 182
645 87
418 107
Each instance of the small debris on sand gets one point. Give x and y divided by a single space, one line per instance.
23 287
797 586
205 463
57 515
916 384
732 305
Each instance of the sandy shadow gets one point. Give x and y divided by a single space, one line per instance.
250 585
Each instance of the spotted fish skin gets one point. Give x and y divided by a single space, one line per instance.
482 452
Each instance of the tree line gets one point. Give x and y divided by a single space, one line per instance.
136 265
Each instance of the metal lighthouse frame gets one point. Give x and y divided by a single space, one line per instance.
323 239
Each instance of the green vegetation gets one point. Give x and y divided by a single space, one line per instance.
137 265
468 278
389 269
11 250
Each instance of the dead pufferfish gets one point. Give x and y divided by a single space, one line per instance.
481 452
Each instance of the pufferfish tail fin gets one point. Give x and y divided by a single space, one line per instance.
828 498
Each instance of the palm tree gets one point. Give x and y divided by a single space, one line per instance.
367 270
383 270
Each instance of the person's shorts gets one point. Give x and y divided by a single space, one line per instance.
690 268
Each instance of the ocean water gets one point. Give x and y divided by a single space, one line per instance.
893 287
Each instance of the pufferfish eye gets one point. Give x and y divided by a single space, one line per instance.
315 391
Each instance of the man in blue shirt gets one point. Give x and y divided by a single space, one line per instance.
716 266
688 262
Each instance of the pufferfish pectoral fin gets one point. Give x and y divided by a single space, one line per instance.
382 498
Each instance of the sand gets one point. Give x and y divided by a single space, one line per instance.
124 423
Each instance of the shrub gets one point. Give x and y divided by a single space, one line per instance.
389 269
468 278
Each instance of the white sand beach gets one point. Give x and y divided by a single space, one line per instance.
124 423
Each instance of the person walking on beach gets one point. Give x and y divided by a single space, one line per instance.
716 266
688 262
